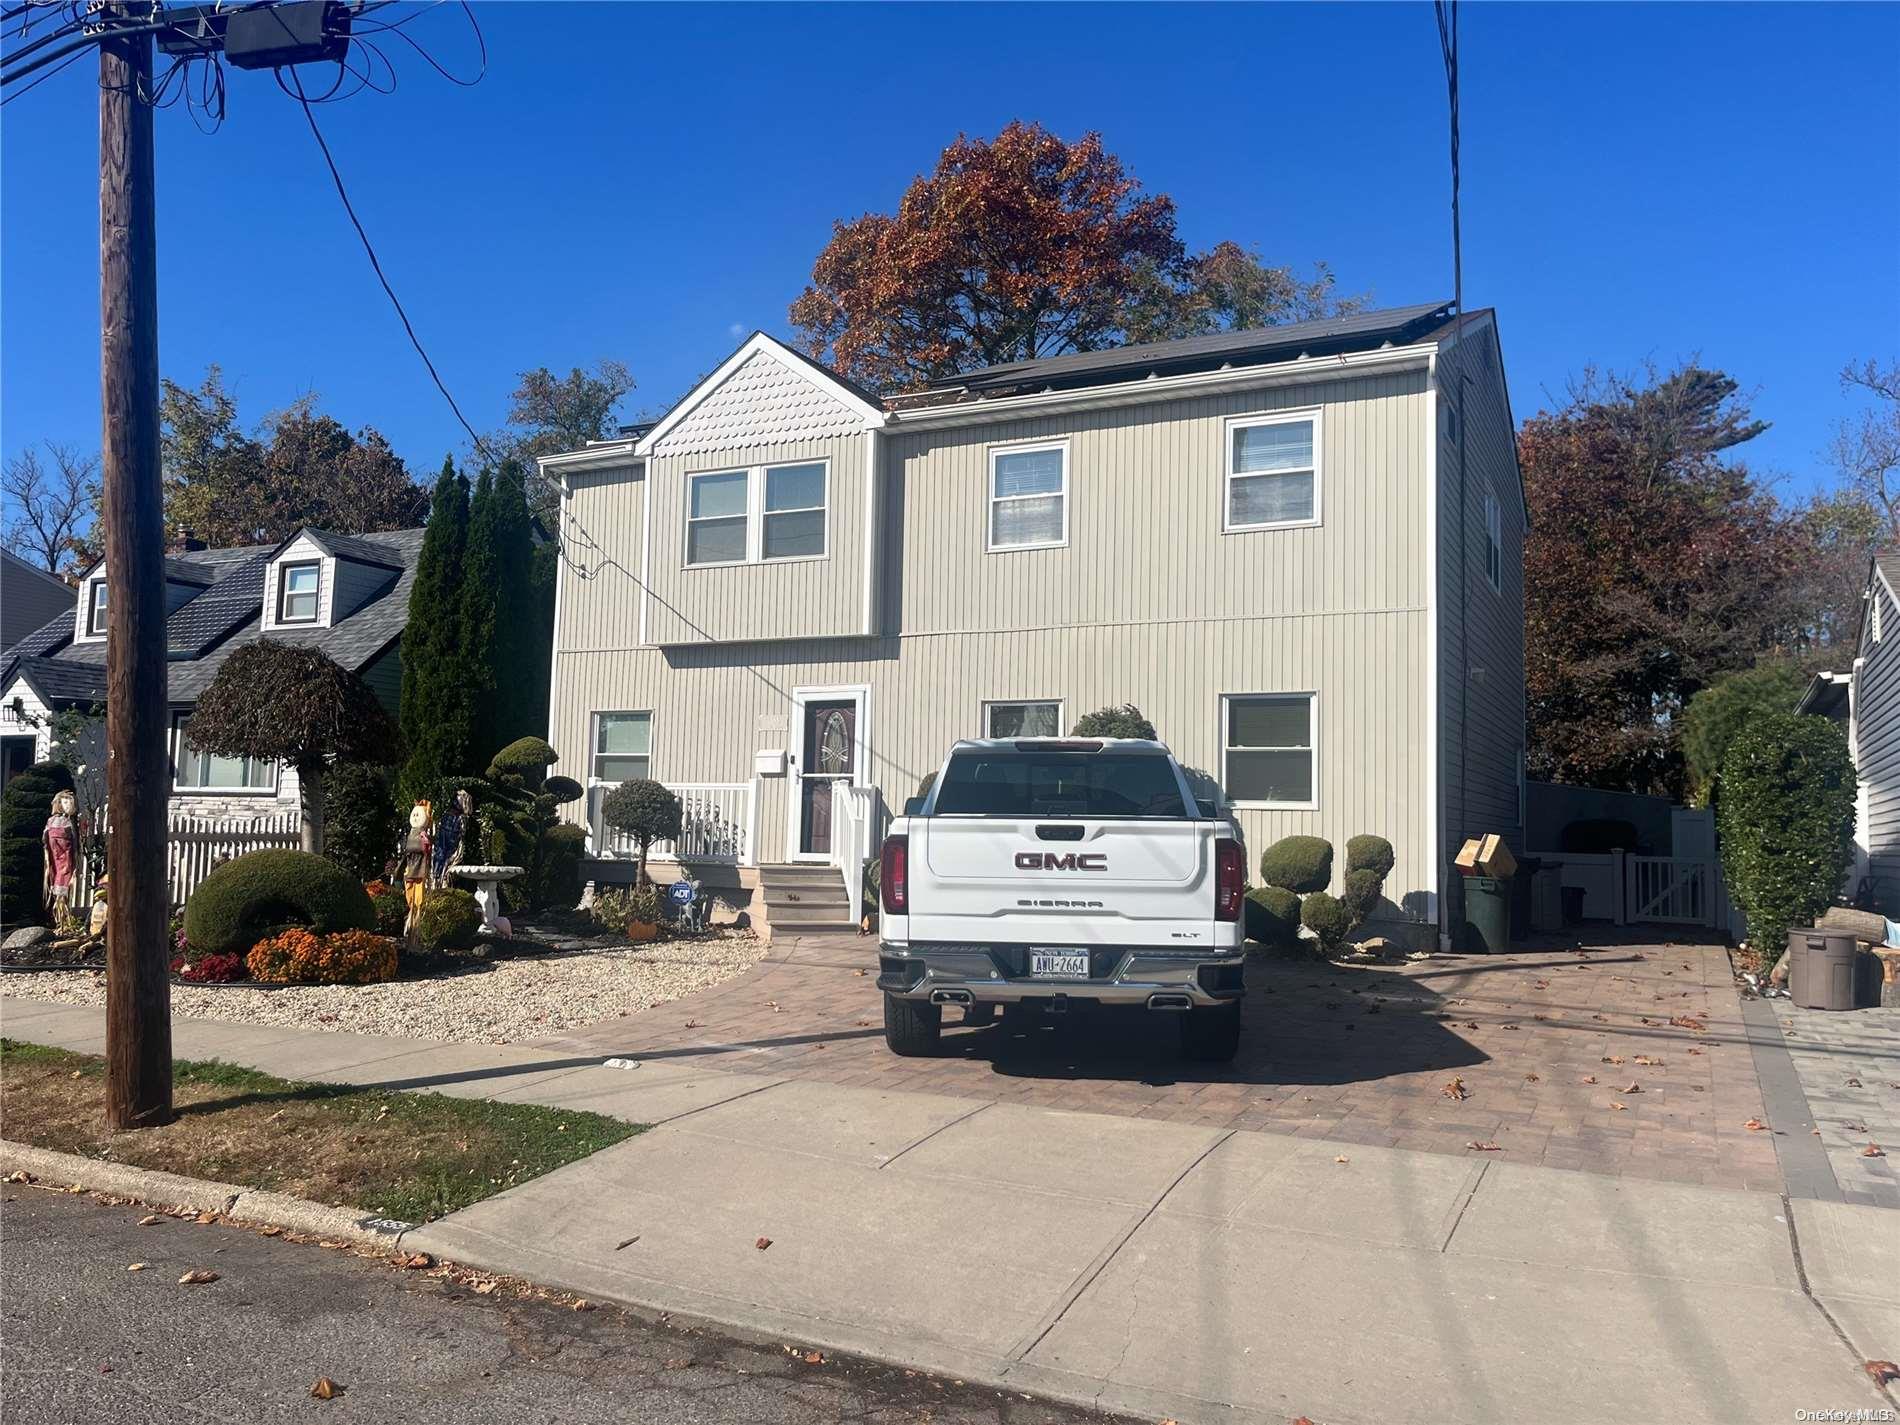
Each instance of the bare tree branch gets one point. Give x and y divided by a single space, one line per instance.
48 508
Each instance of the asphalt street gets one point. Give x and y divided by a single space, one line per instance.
85 1339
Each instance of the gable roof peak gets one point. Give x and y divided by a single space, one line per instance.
862 404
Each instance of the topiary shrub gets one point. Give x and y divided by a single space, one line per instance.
1123 721
24 808
1370 853
528 758
347 957
559 881
1299 863
1361 895
360 820
1327 917
254 894
644 810
1785 822
1272 916
449 920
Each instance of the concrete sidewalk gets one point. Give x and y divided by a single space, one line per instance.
1162 1269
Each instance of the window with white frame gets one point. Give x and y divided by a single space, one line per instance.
1272 471
1024 719
1267 750
297 586
623 747
753 516
199 771
96 611
1029 496
1493 542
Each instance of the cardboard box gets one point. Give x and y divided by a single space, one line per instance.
1486 856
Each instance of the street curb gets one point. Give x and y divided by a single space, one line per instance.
227 1200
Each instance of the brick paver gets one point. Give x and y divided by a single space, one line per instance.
1849 1066
1545 1044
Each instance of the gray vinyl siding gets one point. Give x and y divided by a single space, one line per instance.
601 611
30 599
1488 758
384 676
1877 749
350 584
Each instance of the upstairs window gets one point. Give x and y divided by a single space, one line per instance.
1493 542
794 512
1029 497
1272 472
1268 750
716 518
755 516
196 771
1027 719
297 586
96 611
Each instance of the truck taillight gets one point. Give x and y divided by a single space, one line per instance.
1230 877
893 875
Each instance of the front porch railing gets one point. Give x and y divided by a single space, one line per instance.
853 836
716 825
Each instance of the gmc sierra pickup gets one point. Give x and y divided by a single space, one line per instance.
1045 873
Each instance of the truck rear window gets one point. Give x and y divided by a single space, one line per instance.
1059 784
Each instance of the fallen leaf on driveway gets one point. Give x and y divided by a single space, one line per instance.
1340 1159
1619 1107
1507 1026
1689 1021
416 1261
325 1389
1485 1147
1612 1058
269 1231
197 1276
149 1219
763 1243
1755 1125
814 1358
136 1267
1455 1090
1873 1150
1543 984
1530 1078
622 1246
207 1217
1633 1088
1589 1078
1695 1051
859 973
1883 1371
1853 1083
1648 1062
1469 1024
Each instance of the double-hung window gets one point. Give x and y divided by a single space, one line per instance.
1268 750
622 752
1493 542
757 515
199 771
96 613
1029 496
1024 719
297 586
1272 471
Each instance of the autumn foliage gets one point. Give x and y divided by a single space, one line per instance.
347 957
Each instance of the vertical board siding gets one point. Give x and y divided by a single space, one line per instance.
601 610
1877 749
1494 677
348 585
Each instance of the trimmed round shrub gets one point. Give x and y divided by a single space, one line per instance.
24 808
644 810
211 969
1361 898
1327 917
254 894
527 757
1123 721
1299 863
347 957
391 911
563 789
560 871
360 822
1785 822
449 920
1272 916
1370 853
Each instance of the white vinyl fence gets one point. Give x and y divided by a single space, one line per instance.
193 845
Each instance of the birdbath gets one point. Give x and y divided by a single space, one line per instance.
488 881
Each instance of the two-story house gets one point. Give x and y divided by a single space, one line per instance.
1297 550
345 594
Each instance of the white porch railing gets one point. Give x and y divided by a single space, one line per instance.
853 837
716 825
193 845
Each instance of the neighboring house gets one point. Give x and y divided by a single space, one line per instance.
787 598
345 594
1866 699
29 596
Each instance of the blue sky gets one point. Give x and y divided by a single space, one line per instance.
649 182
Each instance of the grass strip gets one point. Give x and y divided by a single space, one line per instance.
413 1156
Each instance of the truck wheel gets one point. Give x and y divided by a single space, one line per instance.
911 1027
1211 1035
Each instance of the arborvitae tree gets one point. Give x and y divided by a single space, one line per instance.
480 606
438 695
519 651
544 569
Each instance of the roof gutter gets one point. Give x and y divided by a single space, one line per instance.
1155 388
604 455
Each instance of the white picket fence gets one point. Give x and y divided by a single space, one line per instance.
193 845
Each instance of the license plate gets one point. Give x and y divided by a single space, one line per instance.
1058 965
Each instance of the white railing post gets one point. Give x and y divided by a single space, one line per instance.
1619 875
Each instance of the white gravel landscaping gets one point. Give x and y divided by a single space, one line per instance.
503 1003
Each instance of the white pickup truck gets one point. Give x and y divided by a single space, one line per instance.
1044 873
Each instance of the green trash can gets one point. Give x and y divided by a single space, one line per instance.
1487 915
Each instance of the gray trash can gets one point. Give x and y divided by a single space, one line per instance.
1821 969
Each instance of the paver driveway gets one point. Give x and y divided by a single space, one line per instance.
1559 1056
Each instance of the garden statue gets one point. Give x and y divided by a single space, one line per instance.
96 923
61 840
457 824
414 857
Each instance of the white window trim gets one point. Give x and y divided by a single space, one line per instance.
283 593
1312 733
596 833
991 500
1228 474
84 611
983 711
1493 535
176 744
754 515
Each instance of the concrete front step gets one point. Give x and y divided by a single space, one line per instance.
832 894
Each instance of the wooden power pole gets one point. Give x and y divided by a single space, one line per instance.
138 992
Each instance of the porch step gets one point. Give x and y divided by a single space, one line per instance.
802 873
810 920
828 895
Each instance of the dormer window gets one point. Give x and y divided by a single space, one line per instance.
297 588
96 611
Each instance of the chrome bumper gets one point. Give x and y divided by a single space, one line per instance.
1161 979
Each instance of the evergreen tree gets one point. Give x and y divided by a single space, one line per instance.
438 672
480 619
520 650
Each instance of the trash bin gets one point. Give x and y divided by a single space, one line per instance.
1572 901
1521 883
1487 915
1822 969
1547 900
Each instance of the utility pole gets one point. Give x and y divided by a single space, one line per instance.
138 991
